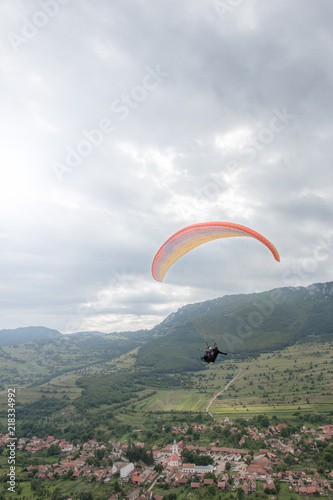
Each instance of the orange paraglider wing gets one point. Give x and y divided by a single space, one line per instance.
192 236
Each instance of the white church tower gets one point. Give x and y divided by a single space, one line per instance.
175 447
174 460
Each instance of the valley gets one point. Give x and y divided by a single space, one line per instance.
148 386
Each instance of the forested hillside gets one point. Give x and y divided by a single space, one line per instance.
241 325
84 385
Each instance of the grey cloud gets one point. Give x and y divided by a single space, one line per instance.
79 240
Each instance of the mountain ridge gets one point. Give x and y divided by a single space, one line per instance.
233 318
242 325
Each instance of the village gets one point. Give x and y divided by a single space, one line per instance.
229 468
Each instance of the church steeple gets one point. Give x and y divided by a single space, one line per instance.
175 447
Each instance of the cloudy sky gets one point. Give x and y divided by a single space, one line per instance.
123 121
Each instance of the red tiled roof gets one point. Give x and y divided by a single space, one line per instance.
137 479
256 468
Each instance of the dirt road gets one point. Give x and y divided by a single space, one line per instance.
221 392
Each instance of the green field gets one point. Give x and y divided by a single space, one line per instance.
175 401
281 383
296 379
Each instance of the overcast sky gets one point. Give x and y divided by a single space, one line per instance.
122 121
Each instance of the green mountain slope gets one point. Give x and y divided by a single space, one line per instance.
241 325
87 385
27 334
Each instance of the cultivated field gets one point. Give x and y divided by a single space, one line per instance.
298 378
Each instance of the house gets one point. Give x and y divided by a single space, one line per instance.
137 479
40 475
124 469
302 490
30 468
269 486
133 495
256 470
245 488
76 474
203 469
188 468
311 490
146 496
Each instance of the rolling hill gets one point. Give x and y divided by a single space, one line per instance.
84 383
242 325
27 334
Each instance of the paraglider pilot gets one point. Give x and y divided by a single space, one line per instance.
211 354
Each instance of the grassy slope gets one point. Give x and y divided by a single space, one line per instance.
280 382
299 378
259 322
311 361
166 374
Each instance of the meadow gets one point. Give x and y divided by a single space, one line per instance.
296 379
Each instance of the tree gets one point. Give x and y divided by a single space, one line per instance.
281 467
116 486
158 468
210 475
211 490
171 496
69 474
240 494
137 454
263 420
57 494
85 495
19 490
54 449
99 454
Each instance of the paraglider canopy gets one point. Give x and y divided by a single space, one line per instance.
192 236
